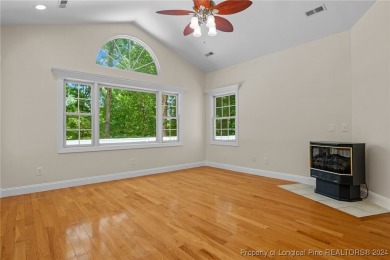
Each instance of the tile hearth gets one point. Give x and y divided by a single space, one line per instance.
362 208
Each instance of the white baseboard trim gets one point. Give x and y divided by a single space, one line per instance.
14 191
372 197
264 173
377 199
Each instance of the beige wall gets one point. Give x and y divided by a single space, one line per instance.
29 121
286 100
370 48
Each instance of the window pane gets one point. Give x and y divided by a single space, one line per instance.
72 135
232 100
72 122
71 90
127 116
233 111
172 100
225 132
225 111
232 123
167 123
218 112
225 101
85 106
218 102
218 123
72 105
172 111
218 132
85 91
225 123
173 124
85 122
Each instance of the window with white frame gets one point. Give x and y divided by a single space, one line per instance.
104 113
170 119
224 115
128 53
78 113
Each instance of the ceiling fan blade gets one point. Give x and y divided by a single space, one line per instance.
188 30
223 24
175 12
232 6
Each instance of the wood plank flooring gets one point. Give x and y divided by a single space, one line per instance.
200 213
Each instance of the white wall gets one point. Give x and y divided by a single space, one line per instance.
28 102
286 100
370 48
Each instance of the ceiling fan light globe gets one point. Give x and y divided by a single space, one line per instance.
197 32
212 31
194 22
210 21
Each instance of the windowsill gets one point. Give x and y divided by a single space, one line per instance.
224 143
116 147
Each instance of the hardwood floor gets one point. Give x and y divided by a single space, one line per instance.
200 213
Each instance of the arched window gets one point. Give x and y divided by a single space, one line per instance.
128 53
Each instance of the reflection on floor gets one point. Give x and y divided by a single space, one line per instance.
362 208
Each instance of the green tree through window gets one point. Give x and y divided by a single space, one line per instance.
132 114
78 114
128 54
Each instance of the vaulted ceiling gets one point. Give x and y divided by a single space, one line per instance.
263 28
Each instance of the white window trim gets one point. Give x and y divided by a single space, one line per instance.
95 80
228 90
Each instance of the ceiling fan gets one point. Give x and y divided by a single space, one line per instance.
206 11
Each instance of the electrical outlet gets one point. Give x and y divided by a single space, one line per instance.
132 161
265 160
331 128
39 171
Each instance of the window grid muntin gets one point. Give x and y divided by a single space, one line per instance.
225 117
79 141
169 117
